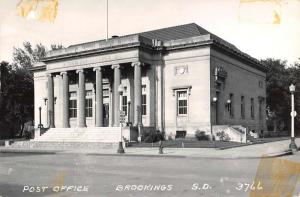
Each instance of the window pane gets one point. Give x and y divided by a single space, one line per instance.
144 110
144 104
180 110
184 110
88 107
182 103
124 108
144 99
73 108
182 94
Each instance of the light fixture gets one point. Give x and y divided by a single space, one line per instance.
214 100
292 88
228 104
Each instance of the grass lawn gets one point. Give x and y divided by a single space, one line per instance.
192 143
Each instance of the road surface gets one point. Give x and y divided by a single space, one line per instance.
103 175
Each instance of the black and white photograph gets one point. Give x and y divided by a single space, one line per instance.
146 98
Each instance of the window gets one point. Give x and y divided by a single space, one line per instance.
144 100
182 102
89 103
124 104
252 108
231 111
144 104
73 108
72 105
88 107
242 107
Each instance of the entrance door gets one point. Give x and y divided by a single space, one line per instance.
106 115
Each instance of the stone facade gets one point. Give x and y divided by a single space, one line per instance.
178 79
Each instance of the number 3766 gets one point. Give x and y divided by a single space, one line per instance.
248 186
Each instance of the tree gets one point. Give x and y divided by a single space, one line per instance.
294 72
6 106
26 57
279 78
17 97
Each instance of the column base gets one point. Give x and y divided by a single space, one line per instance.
66 126
121 149
293 146
79 126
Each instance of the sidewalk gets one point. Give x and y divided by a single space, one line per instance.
272 149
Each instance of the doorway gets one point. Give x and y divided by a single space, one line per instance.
106 115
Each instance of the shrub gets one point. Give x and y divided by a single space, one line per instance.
201 135
223 136
152 136
180 134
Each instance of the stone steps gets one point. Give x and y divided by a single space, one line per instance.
54 145
89 134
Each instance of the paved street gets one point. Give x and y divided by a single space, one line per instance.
100 175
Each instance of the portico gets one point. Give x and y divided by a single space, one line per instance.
98 106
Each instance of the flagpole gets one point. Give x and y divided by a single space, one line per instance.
106 20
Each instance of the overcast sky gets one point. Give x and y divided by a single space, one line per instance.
263 29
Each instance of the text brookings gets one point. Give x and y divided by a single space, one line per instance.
144 187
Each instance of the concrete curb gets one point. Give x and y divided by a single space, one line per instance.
39 151
29 151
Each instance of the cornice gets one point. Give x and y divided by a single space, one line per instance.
91 52
37 68
240 55
145 45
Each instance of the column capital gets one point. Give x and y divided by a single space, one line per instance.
115 66
79 70
97 68
63 73
49 75
133 64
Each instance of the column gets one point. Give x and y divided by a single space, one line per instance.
50 101
137 93
65 100
81 99
116 96
99 97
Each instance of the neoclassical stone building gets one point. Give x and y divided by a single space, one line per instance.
176 80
